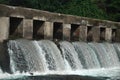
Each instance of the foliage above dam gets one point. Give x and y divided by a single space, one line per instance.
101 9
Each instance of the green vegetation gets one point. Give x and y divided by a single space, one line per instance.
101 9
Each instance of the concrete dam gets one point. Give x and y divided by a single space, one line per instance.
17 22
41 45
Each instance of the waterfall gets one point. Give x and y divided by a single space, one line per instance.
52 55
26 56
106 53
86 55
117 48
45 56
70 55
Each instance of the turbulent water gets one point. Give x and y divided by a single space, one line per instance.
76 58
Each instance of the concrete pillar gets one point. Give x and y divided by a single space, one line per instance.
27 28
83 33
118 35
96 34
48 30
4 28
108 34
66 32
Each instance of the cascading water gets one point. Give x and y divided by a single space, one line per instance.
70 55
86 55
106 53
52 55
44 56
26 56
117 48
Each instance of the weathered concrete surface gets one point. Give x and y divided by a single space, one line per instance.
96 34
66 32
10 11
4 28
83 33
18 22
48 30
108 34
27 28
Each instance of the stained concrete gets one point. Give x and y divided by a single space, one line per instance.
66 32
27 28
10 11
48 30
108 34
18 22
4 28
96 34
83 33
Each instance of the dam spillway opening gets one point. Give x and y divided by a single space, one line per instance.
89 34
102 34
38 29
57 30
16 27
75 32
114 33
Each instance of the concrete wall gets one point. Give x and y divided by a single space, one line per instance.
18 22
4 28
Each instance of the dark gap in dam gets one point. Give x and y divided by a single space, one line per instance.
57 30
114 31
16 27
75 32
38 29
102 34
89 34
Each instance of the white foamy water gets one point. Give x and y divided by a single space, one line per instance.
70 55
76 58
113 73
